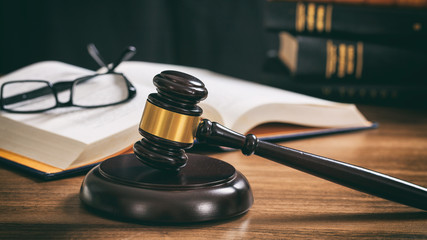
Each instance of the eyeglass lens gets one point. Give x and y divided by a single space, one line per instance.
28 96
100 90
104 89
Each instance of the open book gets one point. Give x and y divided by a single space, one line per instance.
65 140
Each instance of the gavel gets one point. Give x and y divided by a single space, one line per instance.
170 123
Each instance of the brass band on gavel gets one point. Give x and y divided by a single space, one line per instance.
169 125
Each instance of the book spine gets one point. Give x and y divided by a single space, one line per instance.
337 60
397 95
344 19
400 3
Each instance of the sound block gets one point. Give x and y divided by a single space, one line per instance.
206 189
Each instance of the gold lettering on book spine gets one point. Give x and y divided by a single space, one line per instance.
362 92
300 17
383 93
342 49
326 91
394 94
311 11
169 125
351 92
417 27
359 62
320 18
341 91
328 18
350 59
331 59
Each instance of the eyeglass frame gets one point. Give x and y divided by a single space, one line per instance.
57 87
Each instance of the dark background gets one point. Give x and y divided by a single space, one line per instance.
226 36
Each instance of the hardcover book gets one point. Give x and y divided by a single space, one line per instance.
345 19
311 58
276 74
403 3
64 141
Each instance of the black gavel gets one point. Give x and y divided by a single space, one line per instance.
161 183
171 120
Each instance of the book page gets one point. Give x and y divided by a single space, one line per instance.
241 105
245 105
63 135
83 125
229 102
237 104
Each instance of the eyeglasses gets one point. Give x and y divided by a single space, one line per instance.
93 91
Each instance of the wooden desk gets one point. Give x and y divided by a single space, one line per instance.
288 204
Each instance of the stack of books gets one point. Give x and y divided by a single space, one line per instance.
350 51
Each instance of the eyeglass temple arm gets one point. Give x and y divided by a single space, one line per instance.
127 54
94 53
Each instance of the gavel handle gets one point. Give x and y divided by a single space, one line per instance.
348 175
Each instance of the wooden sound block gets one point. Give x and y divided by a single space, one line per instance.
206 189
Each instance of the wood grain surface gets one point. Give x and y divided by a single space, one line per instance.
288 204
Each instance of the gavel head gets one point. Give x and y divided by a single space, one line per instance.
169 121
